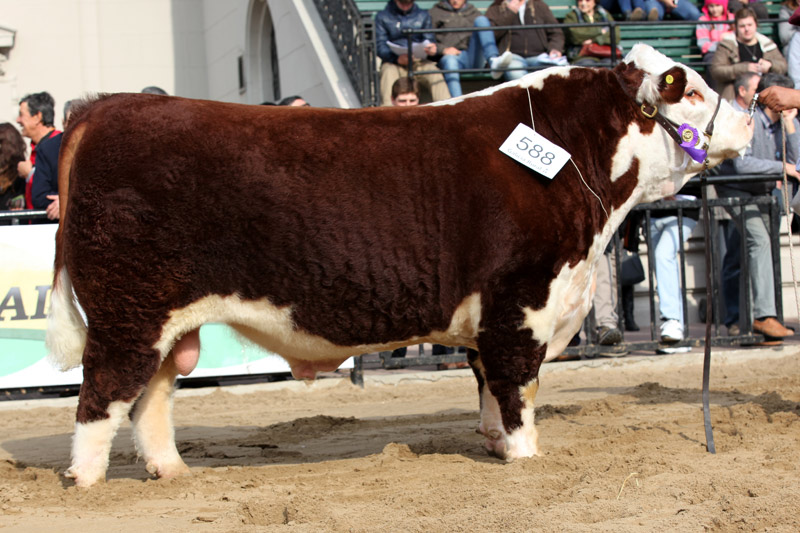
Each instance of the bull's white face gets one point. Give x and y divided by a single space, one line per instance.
696 108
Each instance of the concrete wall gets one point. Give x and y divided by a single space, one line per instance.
188 47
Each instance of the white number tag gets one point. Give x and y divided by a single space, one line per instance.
534 151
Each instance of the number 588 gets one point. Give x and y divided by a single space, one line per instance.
535 151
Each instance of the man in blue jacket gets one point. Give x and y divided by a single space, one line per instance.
399 15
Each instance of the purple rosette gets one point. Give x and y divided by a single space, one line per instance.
689 140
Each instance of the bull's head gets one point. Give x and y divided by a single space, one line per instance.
688 110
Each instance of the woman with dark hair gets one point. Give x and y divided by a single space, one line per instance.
12 151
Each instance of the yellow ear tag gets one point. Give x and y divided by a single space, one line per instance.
669 79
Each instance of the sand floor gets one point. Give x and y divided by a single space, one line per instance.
622 441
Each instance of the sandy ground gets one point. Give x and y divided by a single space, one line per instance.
623 449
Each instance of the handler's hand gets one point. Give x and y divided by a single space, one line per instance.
780 98
52 209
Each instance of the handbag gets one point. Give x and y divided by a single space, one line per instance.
602 51
631 270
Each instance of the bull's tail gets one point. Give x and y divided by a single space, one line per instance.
66 329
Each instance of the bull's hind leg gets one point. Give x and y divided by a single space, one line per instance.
507 368
113 377
153 431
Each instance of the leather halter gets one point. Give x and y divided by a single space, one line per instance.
651 111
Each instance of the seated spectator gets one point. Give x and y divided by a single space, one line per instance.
786 30
462 50
759 8
405 92
587 12
12 153
294 101
399 15
715 12
744 51
624 8
530 48
764 155
666 243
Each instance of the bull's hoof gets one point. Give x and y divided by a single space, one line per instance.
167 471
84 477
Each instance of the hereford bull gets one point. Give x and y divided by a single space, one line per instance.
321 234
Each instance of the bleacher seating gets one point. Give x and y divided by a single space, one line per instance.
675 41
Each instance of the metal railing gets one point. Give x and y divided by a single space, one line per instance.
353 36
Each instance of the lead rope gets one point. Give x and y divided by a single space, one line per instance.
530 106
707 351
788 216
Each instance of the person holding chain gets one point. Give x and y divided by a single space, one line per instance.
746 50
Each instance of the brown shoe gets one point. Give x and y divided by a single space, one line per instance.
772 328
653 15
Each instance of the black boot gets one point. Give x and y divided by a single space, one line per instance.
627 308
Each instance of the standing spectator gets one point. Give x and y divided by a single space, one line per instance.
764 156
465 49
607 333
587 12
715 12
745 51
405 92
793 59
45 186
530 48
399 15
786 30
666 243
12 153
36 116
745 87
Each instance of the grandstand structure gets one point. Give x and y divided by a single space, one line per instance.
675 39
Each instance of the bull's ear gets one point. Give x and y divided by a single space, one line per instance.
667 87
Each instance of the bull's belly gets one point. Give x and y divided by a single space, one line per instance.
272 328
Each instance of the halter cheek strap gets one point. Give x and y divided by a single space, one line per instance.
685 135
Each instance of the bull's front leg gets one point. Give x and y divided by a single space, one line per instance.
507 367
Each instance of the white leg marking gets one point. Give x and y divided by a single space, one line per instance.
91 445
153 430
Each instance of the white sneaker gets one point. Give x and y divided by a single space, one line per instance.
671 331
499 62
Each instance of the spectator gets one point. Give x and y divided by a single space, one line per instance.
786 30
36 116
294 101
45 187
793 59
759 8
465 49
666 243
745 87
715 12
405 92
399 15
152 89
587 12
607 333
530 48
763 156
624 8
657 9
745 51
12 153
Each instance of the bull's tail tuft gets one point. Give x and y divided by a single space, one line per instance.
66 330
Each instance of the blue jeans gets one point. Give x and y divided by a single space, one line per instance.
664 239
475 56
519 62
611 6
686 10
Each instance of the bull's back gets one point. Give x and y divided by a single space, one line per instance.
321 210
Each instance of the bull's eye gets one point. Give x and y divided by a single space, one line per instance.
690 93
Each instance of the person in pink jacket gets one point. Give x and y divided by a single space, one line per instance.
716 14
